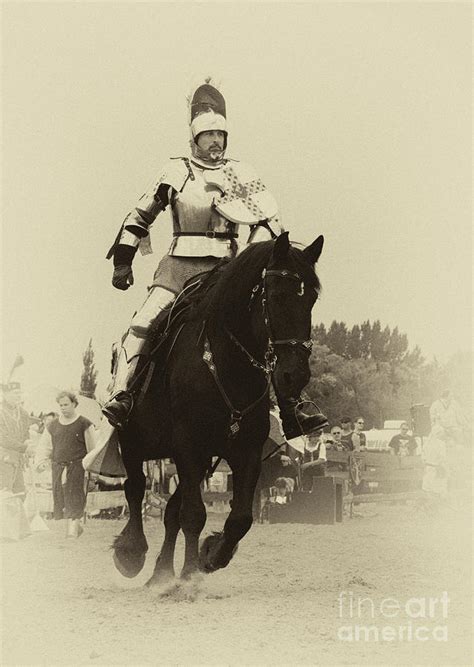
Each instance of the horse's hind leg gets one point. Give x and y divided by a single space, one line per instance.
130 546
164 567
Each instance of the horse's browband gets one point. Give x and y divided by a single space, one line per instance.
283 273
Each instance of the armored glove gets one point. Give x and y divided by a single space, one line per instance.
123 274
123 277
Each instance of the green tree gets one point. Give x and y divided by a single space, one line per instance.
336 338
353 348
89 374
370 371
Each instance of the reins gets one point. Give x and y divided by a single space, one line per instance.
235 415
268 366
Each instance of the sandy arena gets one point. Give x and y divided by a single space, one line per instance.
278 602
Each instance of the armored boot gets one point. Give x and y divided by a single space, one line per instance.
300 418
119 406
152 313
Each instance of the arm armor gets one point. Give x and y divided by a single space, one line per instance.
135 228
136 225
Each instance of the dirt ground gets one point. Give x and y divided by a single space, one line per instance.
284 599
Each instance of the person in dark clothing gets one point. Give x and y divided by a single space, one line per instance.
403 444
346 434
14 432
359 440
315 461
66 441
276 459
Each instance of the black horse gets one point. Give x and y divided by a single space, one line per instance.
212 400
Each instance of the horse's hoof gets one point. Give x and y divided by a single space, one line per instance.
127 566
188 574
209 553
160 579
212 557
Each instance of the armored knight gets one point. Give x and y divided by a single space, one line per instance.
218 205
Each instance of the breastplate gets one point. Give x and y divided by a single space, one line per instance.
192 207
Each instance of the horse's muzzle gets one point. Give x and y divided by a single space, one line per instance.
291 373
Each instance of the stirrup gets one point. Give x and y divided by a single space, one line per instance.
302 418
118 408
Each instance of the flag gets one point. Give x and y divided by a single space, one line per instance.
19 361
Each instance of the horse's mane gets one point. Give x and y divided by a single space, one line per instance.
233 281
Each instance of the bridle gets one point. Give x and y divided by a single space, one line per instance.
306 345
270 357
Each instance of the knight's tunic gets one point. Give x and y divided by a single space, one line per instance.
201 234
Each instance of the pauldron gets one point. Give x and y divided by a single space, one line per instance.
135 228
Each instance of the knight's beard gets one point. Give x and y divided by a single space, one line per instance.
213 155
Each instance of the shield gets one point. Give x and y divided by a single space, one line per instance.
245 199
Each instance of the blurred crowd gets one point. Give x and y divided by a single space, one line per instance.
49 449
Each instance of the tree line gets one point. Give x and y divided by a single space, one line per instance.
365 370
370 371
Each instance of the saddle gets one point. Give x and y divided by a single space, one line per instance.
168 324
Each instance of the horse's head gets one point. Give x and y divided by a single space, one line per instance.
283 286
290 288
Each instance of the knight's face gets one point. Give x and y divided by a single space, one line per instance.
211 141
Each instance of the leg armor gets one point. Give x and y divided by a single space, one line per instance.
119 406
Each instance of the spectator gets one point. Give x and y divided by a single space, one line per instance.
48 418
446 413
279 461
403 444
284 487
334 467
336 434
359 441
66 441
276 461
315 461
346 433
435 478
14 433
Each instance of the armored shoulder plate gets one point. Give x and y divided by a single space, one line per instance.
175 173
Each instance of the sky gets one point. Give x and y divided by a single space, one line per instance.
357 116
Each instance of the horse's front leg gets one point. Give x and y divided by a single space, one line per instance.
192 515
130 546
218 549
164 567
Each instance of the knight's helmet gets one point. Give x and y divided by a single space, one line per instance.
207 112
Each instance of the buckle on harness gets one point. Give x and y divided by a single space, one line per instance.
210 234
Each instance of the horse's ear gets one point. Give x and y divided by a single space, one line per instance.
314 250
282 245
